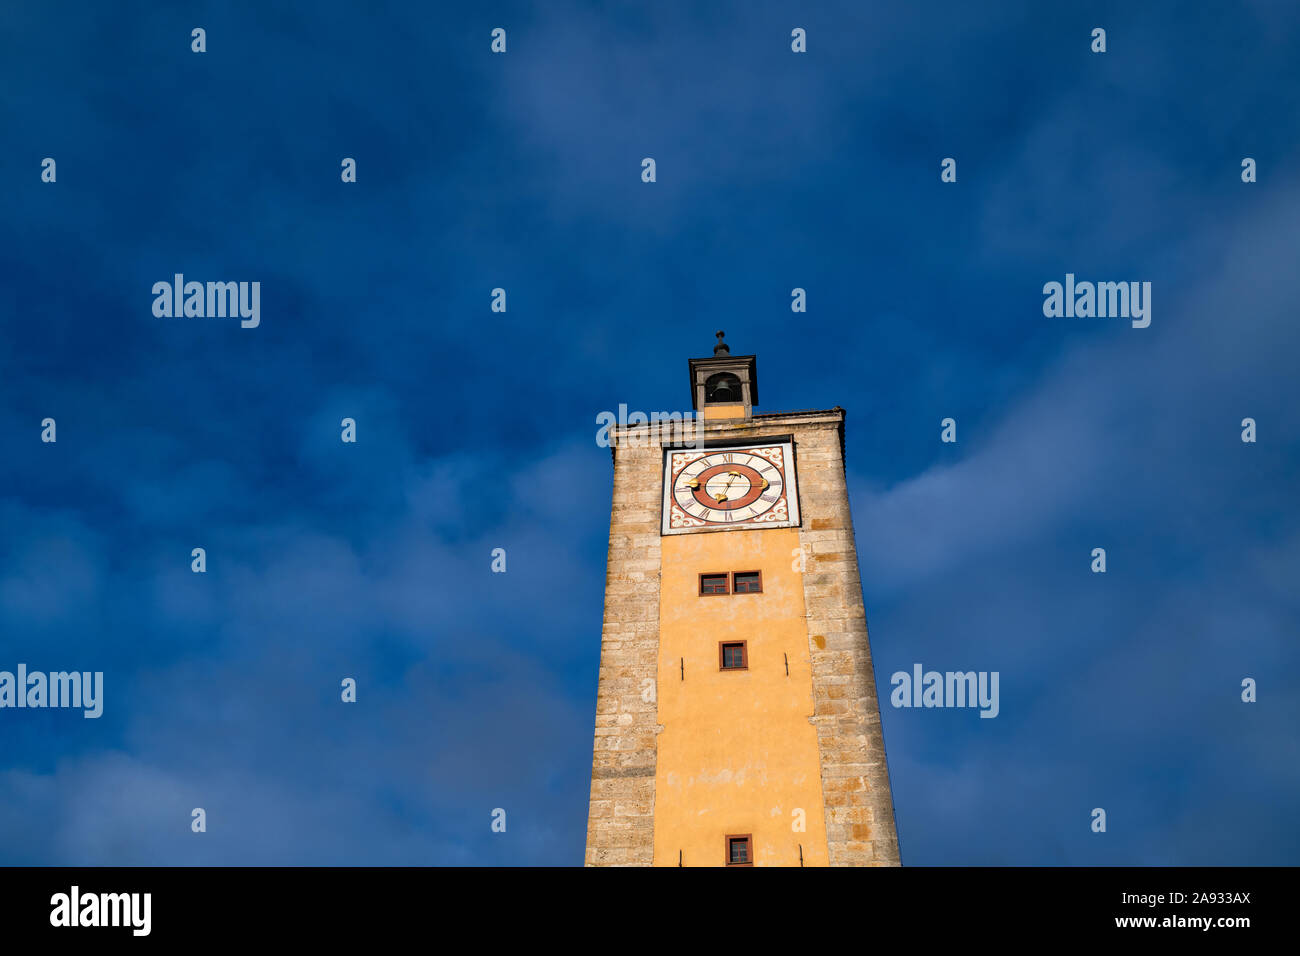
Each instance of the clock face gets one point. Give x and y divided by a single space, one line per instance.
743 487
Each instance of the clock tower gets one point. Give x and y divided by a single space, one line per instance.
737 722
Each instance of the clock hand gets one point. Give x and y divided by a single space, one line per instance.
722 496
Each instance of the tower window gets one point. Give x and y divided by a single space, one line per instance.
723 387
748 582
739 850
732 656
714 584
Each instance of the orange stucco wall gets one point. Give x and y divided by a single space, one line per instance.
723 411
736 753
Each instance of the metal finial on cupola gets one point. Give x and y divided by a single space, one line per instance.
721 348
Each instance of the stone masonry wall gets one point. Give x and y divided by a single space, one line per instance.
620 822
855 779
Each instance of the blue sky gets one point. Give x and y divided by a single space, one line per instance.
476 429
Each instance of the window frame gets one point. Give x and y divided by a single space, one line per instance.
757 590
749 848
726 583
722 655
